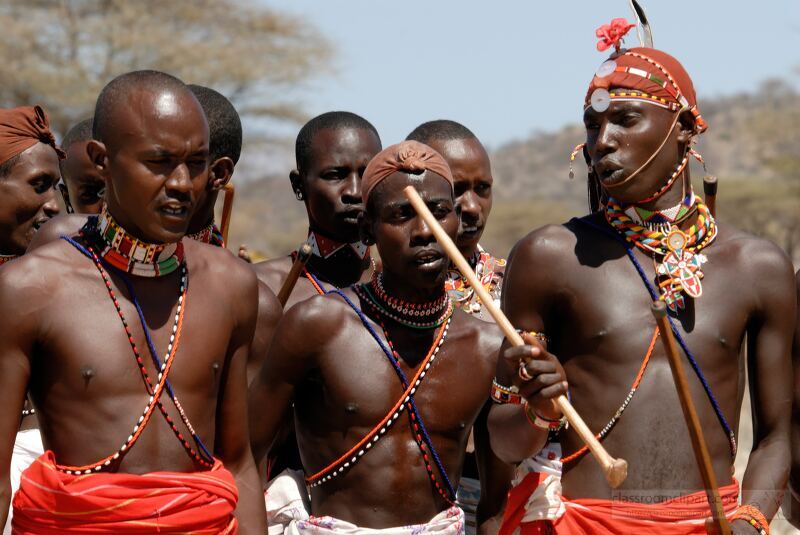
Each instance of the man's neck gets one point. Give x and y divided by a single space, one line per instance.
203 218
397 287
342 269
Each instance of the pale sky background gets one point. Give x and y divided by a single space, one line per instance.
508 68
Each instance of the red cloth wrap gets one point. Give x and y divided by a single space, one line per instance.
406 157
626 80
21 129
685 515
50 502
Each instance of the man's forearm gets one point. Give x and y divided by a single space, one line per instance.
250 511
767 473
512 436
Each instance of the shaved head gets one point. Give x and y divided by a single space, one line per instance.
441 129
116 95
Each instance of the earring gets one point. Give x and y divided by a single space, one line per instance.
578 148
299 195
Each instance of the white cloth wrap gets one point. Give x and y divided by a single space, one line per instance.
545 502
288 509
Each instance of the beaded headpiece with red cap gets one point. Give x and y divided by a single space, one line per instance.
641 73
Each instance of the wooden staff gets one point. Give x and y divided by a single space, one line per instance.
303 254
228 192
615 470
710 192
699 446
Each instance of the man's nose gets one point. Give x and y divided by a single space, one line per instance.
606 140
351 192
420 232
50 207
470 208
180 179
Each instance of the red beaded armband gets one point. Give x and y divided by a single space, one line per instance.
505 394
544 423
753 516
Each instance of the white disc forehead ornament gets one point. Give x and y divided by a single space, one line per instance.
600 100
606 68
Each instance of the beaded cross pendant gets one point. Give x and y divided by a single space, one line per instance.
683 270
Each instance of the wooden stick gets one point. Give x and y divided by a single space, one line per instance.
710 193
228 192
615 470
303 254
699 446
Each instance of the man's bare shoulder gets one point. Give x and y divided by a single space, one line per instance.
273 272
310 325
62 225
484 336
755 259
546 245
40 272
232 274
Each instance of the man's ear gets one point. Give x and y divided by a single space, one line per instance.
220 173
686 123
365 233
297 185
98 155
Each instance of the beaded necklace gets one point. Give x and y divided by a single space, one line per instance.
487 272
126 253
678 337
324 247
680 264
413 315
611 423
662 220
406 400
163 372
5 258
211 235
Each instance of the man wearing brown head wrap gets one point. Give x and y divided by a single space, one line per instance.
386 377
28 175
588 285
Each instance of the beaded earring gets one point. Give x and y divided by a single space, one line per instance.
578 148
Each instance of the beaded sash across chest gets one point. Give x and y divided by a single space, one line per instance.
89 234
676 253
131 255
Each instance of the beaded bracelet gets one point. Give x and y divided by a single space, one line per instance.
505 394
752 516
544 423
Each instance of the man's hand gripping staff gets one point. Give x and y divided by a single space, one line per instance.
536 361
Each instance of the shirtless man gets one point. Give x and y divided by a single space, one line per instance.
82 186
472 182
90 371
577 284
29 172
369 443
332 150
794 483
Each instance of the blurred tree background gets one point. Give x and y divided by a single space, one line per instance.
60 53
